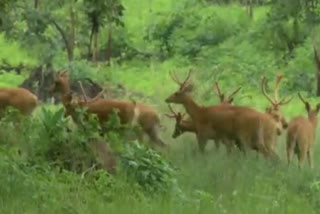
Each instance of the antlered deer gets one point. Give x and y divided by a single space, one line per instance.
301 134
186 125
183 125
128 112
245 125
274 110
19 98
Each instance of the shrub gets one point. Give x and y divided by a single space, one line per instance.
148 168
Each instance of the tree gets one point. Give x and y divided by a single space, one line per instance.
101 13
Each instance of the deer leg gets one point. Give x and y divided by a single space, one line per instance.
289 152
310 157
217 143
240 146
202 141
153 134
302 157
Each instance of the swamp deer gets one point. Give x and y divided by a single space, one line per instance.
248 127
19 98
128 112
301 135
274 110
186 125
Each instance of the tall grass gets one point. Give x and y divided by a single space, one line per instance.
213 183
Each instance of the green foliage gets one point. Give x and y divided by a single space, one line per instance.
46 160
188 29
148 169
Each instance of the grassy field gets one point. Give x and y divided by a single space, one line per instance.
213 183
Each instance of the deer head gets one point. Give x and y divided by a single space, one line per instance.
312 113
60 83
274 110
178 129
221 95
185 88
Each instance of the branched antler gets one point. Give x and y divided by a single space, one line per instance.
221 96
178 116
275 102
302 99
184 83
218 91
83 92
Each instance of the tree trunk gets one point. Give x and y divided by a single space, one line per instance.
250 8
69 46
317 62
36 4
95 53
72 37
90 43
109 44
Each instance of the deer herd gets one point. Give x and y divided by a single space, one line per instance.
233 126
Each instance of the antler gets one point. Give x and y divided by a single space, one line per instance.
276 88
221 95
302 99
185 82
83 92
263 88
233 93
178 116
218 91
275 103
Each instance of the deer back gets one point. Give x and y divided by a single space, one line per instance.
19 98
302 127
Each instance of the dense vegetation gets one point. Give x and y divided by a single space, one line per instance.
47 169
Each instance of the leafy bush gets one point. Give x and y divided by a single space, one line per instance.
148 168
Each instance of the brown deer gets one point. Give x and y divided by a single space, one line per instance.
245 125
301 135
186 125
225 101
128 112
274 110
18 98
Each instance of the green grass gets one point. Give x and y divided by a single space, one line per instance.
213 183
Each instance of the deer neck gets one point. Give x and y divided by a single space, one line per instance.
314 122
191 107
187 126
65 90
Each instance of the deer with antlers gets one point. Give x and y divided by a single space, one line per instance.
19 98
248 127
128 112
274 110
186 125
301 134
